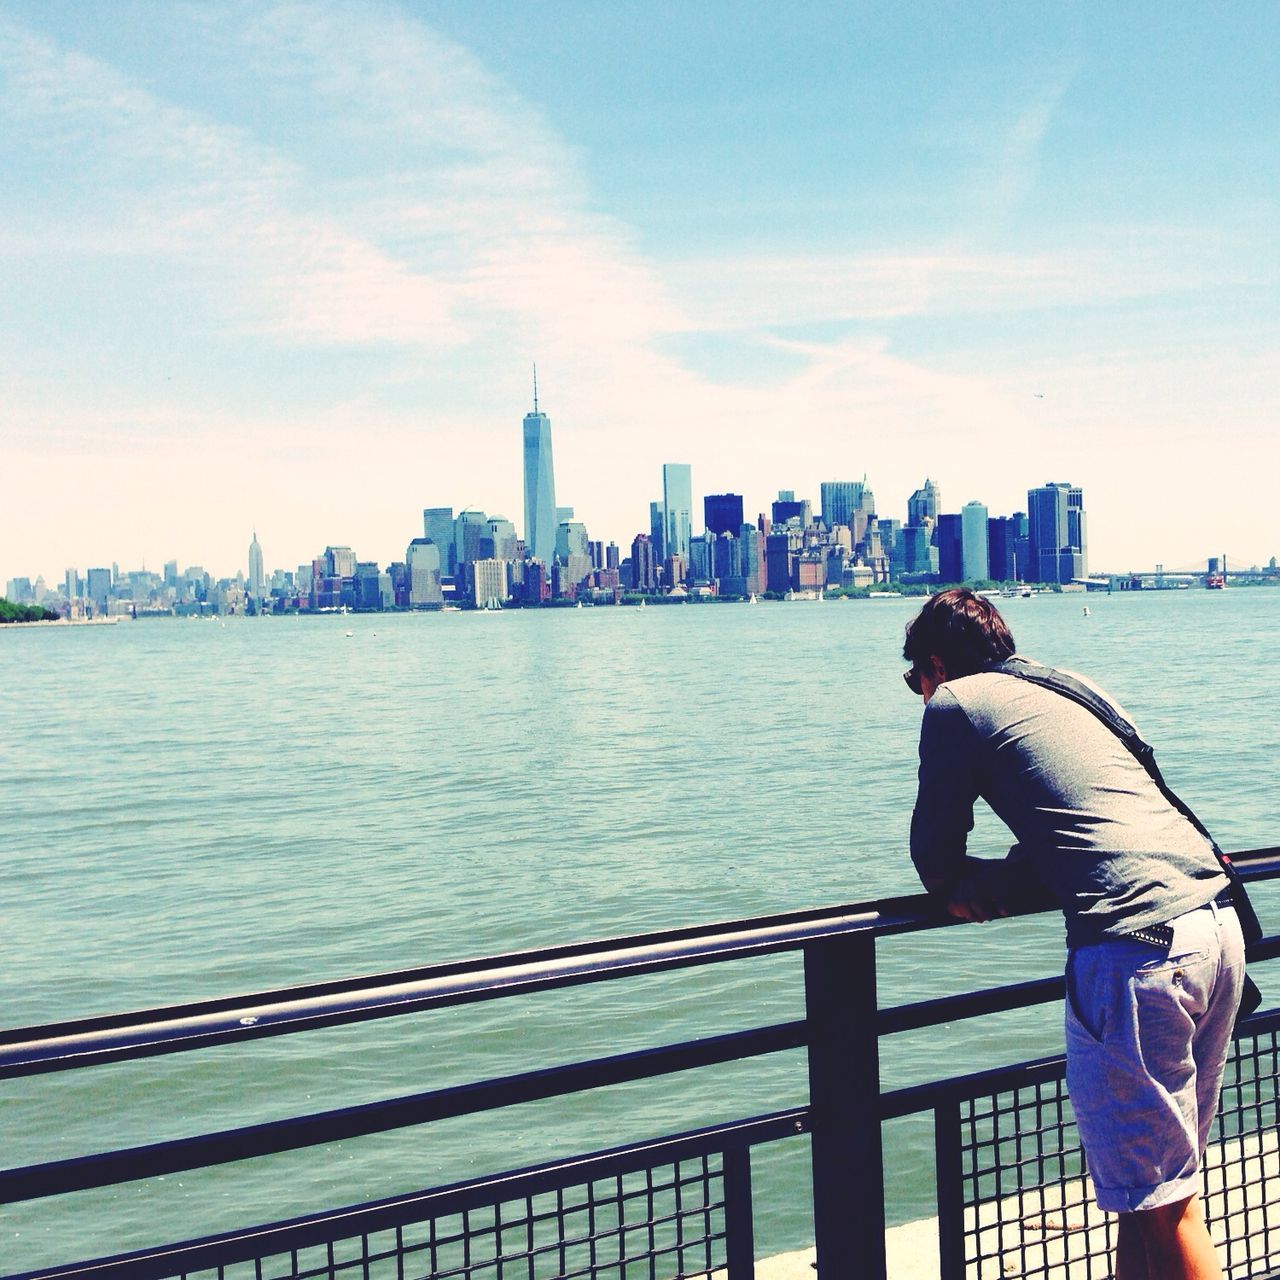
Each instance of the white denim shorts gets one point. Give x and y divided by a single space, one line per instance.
1147 1038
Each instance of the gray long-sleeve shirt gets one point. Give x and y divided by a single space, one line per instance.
1094 828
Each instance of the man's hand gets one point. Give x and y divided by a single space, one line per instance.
979 894
972 899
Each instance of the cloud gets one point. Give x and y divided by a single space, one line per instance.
393 234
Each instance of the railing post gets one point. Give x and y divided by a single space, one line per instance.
844 1105
739 1218
948 1154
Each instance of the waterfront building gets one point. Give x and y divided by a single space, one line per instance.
398 573
437 524
677 509
72 586
657 537
841 498
540 517
1056 533
782 547
536 586
339 562
1077 533
644 567
595 547
572 540
1021 544
98 588
751 542
722 512
702 563
468 529
787 508
726 556
368 585
675 570
422 561
810 571
890 533
498 539
171 571
923 505
255 568
1001 549
611 553
973 542
949 539
487 581
917 549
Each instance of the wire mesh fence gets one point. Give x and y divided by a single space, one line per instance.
1028 1207
659 1221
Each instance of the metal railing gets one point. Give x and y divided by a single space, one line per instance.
1011 1178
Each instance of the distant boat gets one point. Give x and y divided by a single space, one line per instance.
350 633
1026 593
642 604
1085 611
753 599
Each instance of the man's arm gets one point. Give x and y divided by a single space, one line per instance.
950 751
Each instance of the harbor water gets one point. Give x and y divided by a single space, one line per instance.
201 808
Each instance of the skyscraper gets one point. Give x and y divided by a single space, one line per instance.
423 560
923 505
841 498
677 509
656 537
1002 548
1056 533
339 562
498 539
643 568
539 483
255 568
974 560
99 588
572 540
722 513
787 508
437 524
468 528
948 532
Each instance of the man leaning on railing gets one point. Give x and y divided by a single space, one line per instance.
1155 956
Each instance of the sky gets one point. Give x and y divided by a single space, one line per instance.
289 266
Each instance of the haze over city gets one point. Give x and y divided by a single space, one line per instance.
289 266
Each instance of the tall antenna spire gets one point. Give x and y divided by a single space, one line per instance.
535 386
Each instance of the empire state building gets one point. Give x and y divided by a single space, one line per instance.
539 484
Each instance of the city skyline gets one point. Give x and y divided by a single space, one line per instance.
298 260
966 538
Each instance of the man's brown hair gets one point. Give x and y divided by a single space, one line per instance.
962 629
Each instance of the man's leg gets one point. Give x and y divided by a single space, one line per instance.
1168 1243
1131 1253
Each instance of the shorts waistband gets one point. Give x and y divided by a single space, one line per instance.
1161 935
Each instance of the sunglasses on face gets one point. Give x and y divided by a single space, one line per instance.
912 678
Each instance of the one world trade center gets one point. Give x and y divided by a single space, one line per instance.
539 484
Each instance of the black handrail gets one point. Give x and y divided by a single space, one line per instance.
179 1028
840 1030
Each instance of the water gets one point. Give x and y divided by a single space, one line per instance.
194 809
